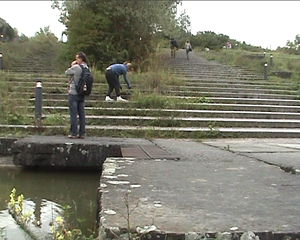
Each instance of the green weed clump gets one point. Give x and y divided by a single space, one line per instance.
10 110
61 227
56 120
152 75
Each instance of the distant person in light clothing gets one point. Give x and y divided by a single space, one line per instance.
188 49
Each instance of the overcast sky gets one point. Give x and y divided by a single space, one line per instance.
268 24
28 17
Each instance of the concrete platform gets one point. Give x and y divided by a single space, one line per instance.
187 189
146 152
225 185
88 153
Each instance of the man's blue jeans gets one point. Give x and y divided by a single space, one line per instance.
76 107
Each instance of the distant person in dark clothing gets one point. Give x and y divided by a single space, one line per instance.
173 46
112 74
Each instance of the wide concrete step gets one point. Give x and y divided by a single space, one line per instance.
57 81
185 121
240 94
262 101
177 112
285 103
236 80
32 70
61 79
217 69
190 132
244 85
199 94
185 83
214 75
183 90
238 89
32 78
255 106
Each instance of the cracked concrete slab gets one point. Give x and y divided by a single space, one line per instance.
209 189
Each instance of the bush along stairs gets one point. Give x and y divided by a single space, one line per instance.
212 101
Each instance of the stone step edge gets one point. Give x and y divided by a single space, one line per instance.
259 100
178 110
189 129
250 82
189 80
200 104
196 119
199 95
188 90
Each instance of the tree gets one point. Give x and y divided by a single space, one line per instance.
113 30
7 31
210 39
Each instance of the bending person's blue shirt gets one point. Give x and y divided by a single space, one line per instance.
120 69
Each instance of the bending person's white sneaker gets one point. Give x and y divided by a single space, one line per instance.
120 99
108 99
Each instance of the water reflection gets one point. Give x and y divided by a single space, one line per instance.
77 189
11 230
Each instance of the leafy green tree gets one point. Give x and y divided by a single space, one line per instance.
7 31
45 36
210 39
295 44
291 47
113 30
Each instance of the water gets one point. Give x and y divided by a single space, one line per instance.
46 194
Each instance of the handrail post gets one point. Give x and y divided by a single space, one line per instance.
266 71
38 101
271 60
1 55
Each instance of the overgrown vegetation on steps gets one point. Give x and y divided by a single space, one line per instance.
255 61
158 101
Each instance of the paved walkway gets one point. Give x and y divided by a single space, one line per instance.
181 186
249 184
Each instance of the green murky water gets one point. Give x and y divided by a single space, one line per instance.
46 194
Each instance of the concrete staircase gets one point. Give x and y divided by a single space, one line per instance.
214 101
38 61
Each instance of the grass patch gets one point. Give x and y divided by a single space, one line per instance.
56 120
281 62
153 100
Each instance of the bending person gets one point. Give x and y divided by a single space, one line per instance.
112 77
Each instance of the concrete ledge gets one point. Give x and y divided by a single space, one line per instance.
60 152
282 74
91 152
5 146
158 235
